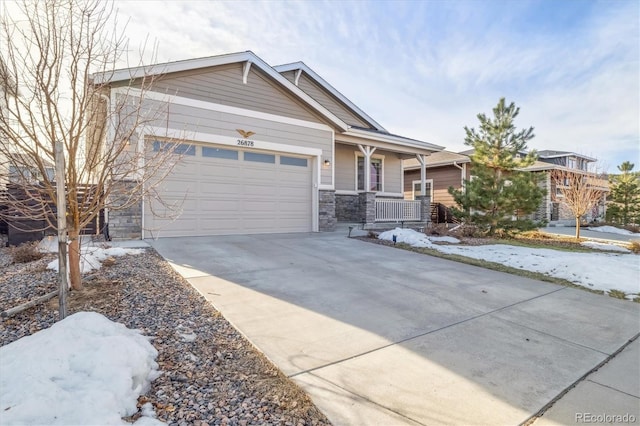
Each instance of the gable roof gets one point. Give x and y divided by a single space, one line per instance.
301 67
546 153
251 60
437 159
212 61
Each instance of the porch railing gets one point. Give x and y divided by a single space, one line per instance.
397 210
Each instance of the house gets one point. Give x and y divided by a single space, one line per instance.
267 149
447 169
444 169
552 209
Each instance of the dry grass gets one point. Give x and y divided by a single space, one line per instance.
26 253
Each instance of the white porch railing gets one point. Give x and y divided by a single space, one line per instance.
397 210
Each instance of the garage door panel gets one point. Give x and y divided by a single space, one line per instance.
223 190
220 196
209 206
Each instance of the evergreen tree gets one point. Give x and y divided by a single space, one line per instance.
499 196
625 195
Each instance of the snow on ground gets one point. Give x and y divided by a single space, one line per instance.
598 271
91 255
84 369
604 246
611 230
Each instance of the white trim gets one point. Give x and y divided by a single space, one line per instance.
297 77
379 193
396 140
373 156
204 138
316 178
413 188
192 64
195 103
246 67
199 137
301 66
402 177
390 194
326 187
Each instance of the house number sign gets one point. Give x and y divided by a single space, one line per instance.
245 142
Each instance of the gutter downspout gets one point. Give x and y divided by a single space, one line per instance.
105 225
463 173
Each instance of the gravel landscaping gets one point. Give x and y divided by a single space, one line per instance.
210 373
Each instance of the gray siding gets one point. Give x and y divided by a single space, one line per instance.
346 169
329 102
223 85
190 119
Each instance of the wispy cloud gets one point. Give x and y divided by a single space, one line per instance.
425 69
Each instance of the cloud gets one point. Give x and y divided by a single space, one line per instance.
426 69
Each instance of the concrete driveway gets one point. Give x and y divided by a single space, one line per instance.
378 335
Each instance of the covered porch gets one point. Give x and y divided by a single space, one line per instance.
369 179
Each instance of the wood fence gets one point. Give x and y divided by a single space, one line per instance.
21 227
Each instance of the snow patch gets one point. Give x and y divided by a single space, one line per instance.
604 246
598 271
610 230
91 258
84 369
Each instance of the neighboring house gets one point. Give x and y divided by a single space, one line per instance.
447 169
552 209
270 149
444 169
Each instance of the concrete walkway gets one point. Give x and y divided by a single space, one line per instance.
378 335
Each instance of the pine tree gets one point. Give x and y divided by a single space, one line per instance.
498 195
625 195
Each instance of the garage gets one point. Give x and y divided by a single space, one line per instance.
221 190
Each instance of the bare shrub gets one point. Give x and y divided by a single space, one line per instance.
25 253
535 235
469 231
633 228
439 229
634 246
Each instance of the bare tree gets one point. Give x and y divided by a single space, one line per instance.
49 51
578 190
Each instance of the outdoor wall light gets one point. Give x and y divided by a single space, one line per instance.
327 163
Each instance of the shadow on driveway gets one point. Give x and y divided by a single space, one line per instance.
378 335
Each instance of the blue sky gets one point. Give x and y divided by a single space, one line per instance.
425 69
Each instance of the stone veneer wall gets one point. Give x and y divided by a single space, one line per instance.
327 210
125 223
425 208
368 207
348 208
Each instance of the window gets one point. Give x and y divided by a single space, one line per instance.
571 163
227 154
428 189
24 174
293 161
376 174
260 158
178 148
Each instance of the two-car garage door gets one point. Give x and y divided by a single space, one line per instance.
219 190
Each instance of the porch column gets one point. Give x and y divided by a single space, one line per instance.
424 198
367 151
423 174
